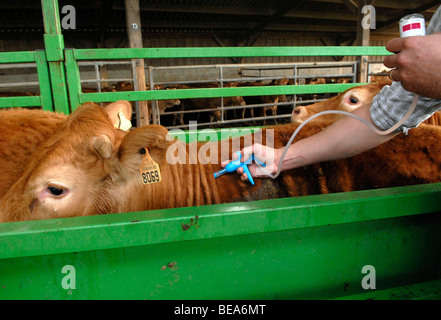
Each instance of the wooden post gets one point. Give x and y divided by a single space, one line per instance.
135 41
363 37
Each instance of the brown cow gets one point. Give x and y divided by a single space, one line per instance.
348 100
265 99
24 130
89 167
214 104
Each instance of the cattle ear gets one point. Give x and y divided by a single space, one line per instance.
120 113
151 136
130 153
103 146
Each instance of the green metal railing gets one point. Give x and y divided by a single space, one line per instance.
54 82
44 100
77 97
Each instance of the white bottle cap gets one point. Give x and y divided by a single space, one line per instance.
412 25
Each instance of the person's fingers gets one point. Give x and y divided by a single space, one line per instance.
394 45
247 152
395 75
391 61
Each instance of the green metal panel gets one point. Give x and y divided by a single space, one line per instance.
214 92
77 97
45 98
10 102
54 46
17 57
306 247
44 81
150 53
73 79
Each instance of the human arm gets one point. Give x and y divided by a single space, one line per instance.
344 138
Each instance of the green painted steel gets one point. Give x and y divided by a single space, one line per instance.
208 52
10 102
44 81
306 247
213 92
45 98
17 57
77 97
73 76
54 46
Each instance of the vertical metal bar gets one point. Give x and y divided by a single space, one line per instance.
73 78
97 76
54 45
154 103
44 81
221 76
295 82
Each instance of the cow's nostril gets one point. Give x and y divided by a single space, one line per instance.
296 111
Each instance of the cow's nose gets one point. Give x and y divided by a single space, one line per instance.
296 111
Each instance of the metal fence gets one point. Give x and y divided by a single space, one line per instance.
73 58
44 98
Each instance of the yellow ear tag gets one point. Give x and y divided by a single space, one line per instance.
149 169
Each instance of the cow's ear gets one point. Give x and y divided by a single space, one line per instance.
120 113
103 146
152 137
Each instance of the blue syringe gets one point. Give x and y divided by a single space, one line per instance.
235 164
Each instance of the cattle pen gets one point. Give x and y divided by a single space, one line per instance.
372 244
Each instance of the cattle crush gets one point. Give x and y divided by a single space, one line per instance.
311 247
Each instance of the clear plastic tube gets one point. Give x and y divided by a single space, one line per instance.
373 128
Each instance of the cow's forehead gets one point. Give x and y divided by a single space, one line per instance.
72 144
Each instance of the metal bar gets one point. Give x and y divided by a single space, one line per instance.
73 78
214 92
19 84
44 81
17 57
209 52
284 65
23 65
164 226
54 46
25 101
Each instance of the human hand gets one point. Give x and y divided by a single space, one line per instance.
267 155
417 63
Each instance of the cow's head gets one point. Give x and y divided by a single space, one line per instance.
88 167
348 101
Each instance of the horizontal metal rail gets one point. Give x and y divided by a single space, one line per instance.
215 92
241 218
17 57
210 52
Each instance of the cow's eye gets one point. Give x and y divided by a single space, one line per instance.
353 100
56 191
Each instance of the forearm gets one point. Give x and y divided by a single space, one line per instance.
344 138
